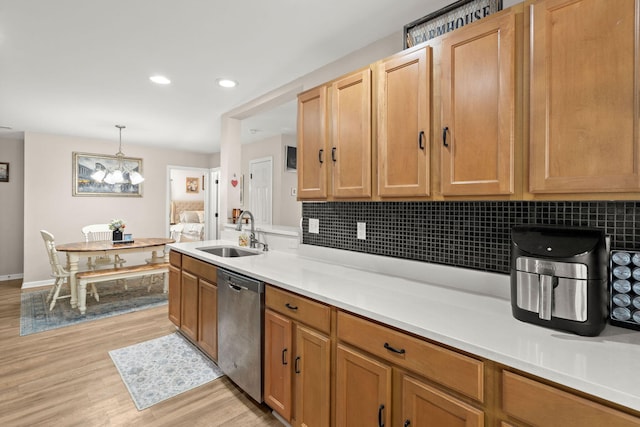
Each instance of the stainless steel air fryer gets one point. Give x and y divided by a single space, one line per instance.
559 277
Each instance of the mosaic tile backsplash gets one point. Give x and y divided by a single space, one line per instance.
464 234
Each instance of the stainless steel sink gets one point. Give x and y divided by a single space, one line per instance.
227 251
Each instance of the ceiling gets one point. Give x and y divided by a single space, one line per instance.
78 67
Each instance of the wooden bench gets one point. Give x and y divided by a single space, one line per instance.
95 276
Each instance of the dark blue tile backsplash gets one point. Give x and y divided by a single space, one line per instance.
464 234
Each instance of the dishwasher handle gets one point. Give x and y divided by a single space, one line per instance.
235 287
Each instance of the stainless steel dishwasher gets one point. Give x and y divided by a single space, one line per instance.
240 330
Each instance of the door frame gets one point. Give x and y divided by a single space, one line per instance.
205 173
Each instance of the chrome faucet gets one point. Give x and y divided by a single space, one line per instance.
252 237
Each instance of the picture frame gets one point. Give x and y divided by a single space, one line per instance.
449 18
4 172
193 184
85 164
291 158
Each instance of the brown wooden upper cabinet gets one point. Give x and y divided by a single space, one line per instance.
478 108
403 138
584 100
312 144
351 136
334 139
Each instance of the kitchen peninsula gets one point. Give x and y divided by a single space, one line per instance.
464 315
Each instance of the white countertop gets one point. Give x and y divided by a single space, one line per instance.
453 312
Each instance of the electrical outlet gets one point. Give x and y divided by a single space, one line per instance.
294 191
314 225
362 230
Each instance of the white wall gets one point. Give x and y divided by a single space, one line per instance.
11 208
49 205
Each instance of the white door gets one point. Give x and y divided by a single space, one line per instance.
261 190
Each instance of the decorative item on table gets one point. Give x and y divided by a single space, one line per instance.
117 225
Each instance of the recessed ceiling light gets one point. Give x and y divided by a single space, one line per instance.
161 80
227 83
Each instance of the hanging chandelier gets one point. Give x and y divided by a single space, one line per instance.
117 176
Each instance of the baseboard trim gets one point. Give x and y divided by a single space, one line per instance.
38 283
11 277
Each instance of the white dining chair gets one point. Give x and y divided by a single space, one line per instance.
58 272
100 232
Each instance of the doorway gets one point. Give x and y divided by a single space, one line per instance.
192 201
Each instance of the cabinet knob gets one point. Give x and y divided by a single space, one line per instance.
284 356
296 365
320 152
444 136
421 140
380 422
333 154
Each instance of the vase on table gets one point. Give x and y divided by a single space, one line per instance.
117 235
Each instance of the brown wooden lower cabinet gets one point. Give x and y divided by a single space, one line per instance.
424 405
540 404
174 294
193 299
363 389
189 305
297 359
208 317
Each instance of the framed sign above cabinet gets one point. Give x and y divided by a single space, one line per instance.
447 19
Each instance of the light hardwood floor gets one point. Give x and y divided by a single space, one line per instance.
65 377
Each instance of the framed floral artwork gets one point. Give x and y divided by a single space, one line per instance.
193 185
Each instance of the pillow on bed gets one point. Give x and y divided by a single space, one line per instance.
200 216
189 216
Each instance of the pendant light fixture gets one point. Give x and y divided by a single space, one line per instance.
117 176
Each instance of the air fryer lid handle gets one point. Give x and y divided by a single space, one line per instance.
556 242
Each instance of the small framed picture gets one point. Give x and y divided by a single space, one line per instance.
4 172
291 161
193 185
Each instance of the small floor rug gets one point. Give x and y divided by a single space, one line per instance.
159 369
114 300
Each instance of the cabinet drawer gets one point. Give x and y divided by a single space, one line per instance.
523 398
456 371
299 308
200 268
175 259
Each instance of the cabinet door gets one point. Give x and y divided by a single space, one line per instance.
583 95
423 405
208 318
404 129
478 108
189 305
351 136
278 348
363 390
174 295
312 368
312 144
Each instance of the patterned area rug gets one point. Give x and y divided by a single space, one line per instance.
114 300
159 369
